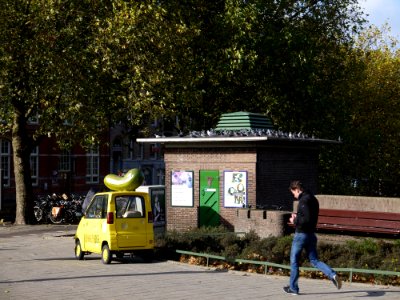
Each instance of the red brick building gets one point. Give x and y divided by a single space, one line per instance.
77 170
54 170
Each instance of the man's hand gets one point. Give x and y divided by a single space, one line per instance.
292 218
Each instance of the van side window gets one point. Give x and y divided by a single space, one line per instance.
130 207
97 208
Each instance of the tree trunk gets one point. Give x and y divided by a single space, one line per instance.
23 184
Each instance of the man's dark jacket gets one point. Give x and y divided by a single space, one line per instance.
307 213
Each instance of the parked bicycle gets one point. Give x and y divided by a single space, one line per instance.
42 209
58 209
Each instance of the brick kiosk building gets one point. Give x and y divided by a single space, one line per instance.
213 178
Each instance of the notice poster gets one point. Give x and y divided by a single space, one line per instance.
235 188
158 206
182 188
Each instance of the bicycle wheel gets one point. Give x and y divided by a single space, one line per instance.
56 218
38 213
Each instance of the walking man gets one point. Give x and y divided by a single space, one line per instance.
305 222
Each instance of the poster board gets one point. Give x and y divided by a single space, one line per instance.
182 188
235 188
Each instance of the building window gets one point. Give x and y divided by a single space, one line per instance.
154 151
131 149
138 151
148 176
5 155
92 165
35 165
117 156
160 176
155 123
65 161
34 119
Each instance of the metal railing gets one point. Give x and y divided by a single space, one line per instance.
267 264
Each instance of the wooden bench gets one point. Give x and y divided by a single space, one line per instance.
358 221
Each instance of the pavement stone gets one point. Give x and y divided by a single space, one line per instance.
37 262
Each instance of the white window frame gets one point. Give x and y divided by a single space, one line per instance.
160 176
131 149
34 161
153 153
92 165
5 161
65 161
140 153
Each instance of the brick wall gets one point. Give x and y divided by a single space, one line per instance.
273 223
264 223
221 159
269 172
361 203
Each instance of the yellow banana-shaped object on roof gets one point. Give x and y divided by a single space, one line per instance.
129 182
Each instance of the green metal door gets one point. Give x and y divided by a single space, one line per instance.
209 198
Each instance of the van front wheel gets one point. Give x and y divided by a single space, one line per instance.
78 251
106 255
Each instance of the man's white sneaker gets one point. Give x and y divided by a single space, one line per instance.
288 290
337 282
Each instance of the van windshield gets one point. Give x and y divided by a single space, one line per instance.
130 207
97 208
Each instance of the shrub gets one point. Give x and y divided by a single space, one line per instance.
365 253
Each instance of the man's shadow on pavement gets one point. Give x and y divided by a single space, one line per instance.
367 293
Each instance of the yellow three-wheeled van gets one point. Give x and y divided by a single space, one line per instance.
116 223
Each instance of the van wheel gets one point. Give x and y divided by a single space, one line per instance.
106 255
79 254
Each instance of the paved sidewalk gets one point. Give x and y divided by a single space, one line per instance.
39 263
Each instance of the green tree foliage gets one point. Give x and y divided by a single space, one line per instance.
47 73
281 58
164 53
198 59
79 65
298 51
376 114
367 162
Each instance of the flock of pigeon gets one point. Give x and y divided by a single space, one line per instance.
262 132
248 133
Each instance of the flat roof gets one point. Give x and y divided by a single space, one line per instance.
232 139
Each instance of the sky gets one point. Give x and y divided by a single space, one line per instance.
380 11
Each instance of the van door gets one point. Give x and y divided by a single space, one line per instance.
131 221
95 217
